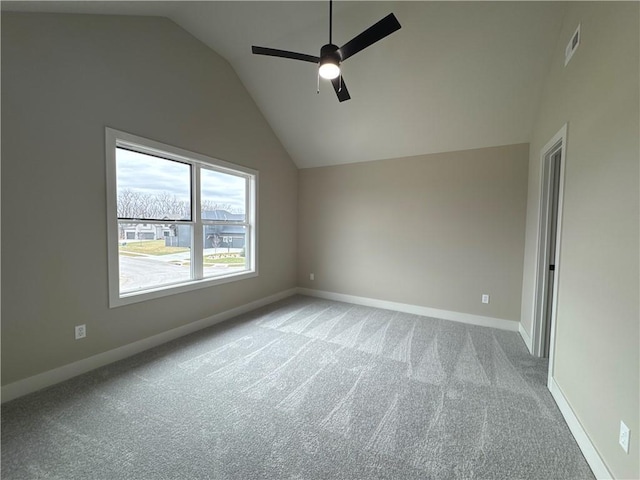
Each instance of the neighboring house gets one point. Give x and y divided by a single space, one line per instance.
145 231
215 236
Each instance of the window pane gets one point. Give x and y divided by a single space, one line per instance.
152 230
223 196
151 187
224 249
153 255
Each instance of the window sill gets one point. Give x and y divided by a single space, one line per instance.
167 290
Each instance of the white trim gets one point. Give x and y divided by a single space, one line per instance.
558 269
471 319
60 374
197 230
175 288
559 140
152 147
252 208
589 450
525 337
115 138
113 263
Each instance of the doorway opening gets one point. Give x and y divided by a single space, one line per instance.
548 255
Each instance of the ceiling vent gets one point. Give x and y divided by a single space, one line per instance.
572 46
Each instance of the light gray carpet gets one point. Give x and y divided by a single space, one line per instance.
302 389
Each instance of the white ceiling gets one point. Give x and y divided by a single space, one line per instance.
457 75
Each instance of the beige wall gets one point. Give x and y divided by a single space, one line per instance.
433 230
597 336
64 78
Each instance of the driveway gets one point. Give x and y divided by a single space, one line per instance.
142 272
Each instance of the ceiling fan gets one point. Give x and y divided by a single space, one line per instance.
331 55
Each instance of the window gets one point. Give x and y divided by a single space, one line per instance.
177 220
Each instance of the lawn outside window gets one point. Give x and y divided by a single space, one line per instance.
177 220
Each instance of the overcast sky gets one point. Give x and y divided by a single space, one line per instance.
152 175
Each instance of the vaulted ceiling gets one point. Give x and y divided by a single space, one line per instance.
457 75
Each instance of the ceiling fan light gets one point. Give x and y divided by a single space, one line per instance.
329 70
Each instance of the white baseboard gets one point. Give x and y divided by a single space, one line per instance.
60 374
589 451
526 338
500 323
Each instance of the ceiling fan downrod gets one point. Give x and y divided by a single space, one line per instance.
330 19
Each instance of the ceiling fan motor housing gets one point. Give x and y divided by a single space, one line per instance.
329 54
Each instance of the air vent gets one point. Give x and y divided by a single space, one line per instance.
572 46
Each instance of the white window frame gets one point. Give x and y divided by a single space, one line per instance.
115 138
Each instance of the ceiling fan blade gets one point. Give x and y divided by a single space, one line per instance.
341 88
371 35
284 54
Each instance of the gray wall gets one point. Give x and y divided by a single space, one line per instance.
433 230
597 337
64 78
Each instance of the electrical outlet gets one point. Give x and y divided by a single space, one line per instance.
624 436
485 298
81 331
312 276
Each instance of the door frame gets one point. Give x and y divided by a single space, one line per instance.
557 142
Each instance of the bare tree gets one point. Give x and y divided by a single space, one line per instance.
169 206
140 205
132 204
216 242
126 203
